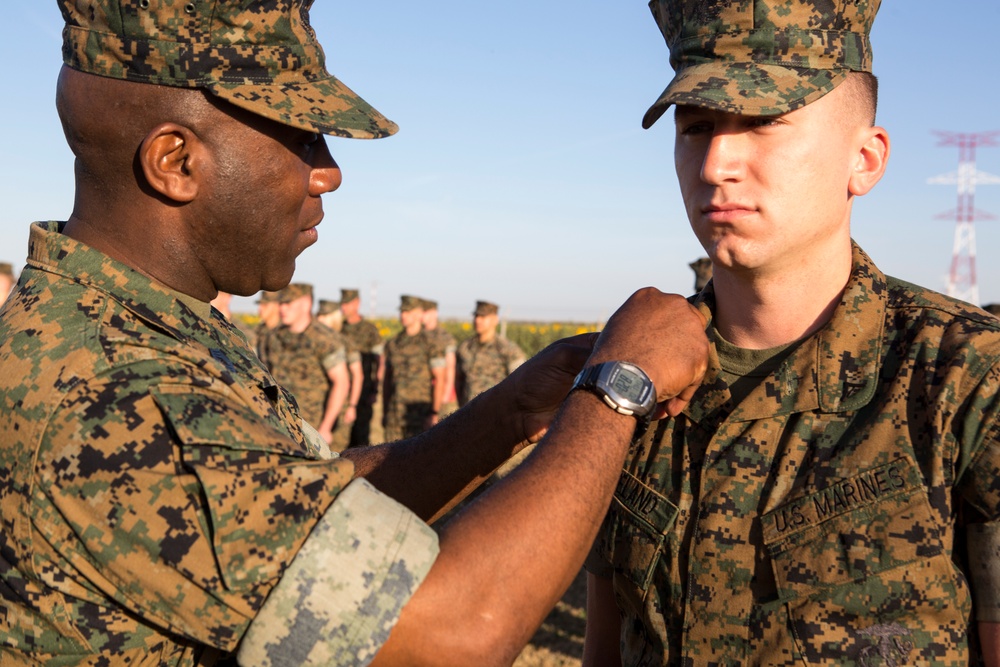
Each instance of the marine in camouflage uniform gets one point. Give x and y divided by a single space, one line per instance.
163 502
485 358
312 365
445 401
410 357
157 484
270 320
831 495
368 342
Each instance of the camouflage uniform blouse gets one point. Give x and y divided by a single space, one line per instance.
408 397
823 520
483 365
157 488
300 362
366 339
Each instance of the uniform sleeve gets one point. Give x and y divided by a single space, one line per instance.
316 615
182 503
981 488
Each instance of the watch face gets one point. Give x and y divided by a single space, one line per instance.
628 385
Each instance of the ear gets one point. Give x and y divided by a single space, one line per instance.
169 157
870 162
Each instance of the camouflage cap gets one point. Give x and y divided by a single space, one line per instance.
760 57
408 302
429 304
349 295
261 55
6 269
486 308
294 291
268 297
326 307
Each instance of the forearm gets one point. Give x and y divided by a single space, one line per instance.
357 380
440 375
569 480
334 401
989 639
435 470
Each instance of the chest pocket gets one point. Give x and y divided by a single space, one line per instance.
862 567
642 519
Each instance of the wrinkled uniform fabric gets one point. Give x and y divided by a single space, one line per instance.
823 520
483 365
409 397
368 342
155 481
300 363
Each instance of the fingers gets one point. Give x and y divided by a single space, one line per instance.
665 336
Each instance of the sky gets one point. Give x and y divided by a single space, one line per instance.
521 174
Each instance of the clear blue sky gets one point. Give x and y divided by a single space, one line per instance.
521 174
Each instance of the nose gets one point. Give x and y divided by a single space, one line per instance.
724 159
326 175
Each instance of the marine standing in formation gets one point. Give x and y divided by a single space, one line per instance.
485 358
270 320
367 340
444 378
411 358
162 499
311 360
831 495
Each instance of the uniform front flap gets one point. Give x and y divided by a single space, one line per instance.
264 490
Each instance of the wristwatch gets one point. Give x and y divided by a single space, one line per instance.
624 387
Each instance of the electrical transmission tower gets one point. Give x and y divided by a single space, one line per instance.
962 278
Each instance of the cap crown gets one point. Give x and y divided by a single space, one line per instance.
295 291
760 56
261 55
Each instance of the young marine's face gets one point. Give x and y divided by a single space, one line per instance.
485 324
262 201
296 312
765 193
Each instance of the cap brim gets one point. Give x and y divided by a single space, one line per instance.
747 89
325 105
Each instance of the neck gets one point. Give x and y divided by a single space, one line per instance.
353 318
487 336
764 311
413 329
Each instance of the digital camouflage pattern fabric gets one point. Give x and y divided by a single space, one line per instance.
260 56
480 366
155 482
300 363
760 57
815 522
408 397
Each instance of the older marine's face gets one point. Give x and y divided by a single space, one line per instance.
762 193
261 199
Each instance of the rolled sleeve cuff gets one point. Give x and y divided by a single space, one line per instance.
344 591
984 570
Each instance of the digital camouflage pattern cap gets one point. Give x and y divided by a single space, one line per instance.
268 297
261 55
486 308
326 307
6 269
294 291
429 304
349 295
408 302
760 57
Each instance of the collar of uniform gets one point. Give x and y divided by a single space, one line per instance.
835 370
50 250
